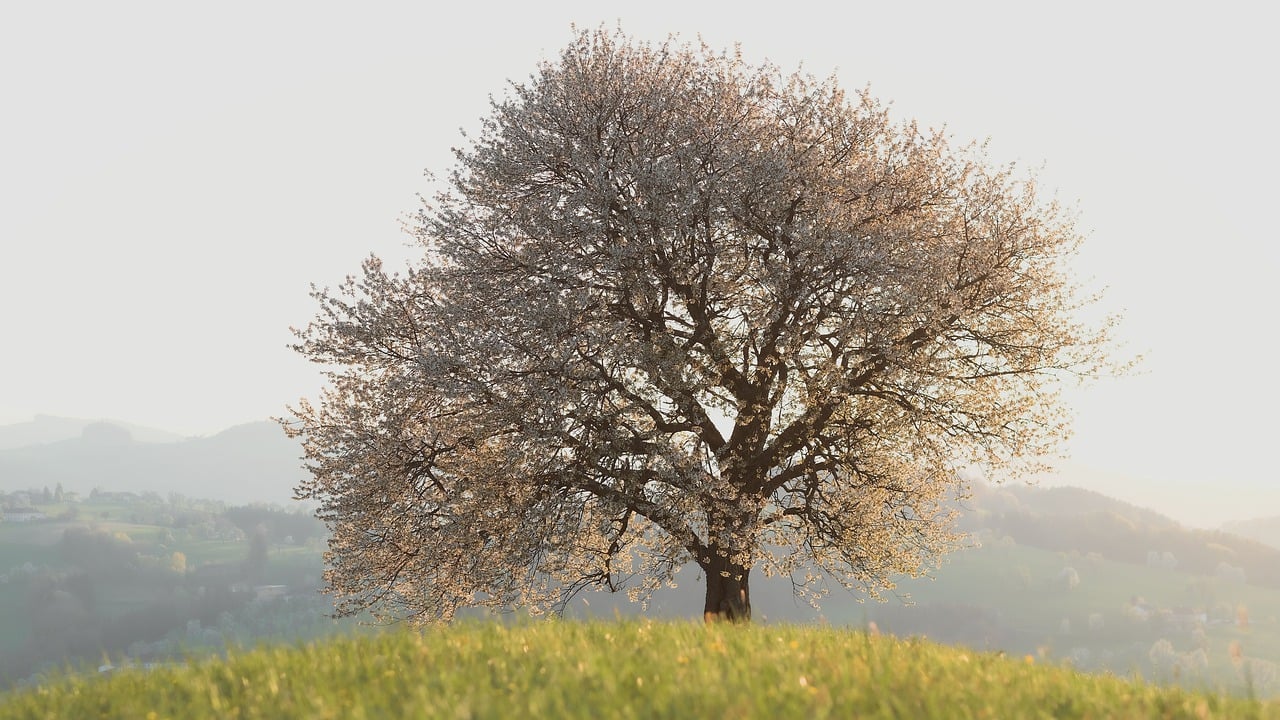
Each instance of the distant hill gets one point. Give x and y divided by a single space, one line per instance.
1205 503
247 463
1063 500
49 428
1264 530
1067 519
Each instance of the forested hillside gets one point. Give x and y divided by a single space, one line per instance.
1264 530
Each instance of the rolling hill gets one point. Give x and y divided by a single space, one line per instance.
248 463
49 428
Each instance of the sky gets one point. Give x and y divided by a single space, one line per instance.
175 176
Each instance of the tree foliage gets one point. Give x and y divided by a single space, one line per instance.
675 307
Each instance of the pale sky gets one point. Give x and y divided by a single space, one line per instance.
173 176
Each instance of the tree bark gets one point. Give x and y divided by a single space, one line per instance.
728 591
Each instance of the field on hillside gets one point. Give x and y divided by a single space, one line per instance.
629 669
35 547
121 574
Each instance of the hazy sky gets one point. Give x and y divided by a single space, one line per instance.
173 176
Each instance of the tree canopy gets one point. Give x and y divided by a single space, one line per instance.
676 307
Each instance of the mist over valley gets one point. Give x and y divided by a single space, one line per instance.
143 550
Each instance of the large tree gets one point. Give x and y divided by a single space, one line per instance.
675 307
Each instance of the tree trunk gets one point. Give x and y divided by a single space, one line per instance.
728 591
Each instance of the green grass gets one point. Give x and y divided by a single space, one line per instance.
633 669
199 552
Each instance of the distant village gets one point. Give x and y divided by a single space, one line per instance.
20 506
23 505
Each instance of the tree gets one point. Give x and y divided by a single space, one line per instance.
674 307
255 564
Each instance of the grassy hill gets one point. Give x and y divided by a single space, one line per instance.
628 669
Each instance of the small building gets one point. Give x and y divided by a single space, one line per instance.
1188 618
265 593
24 515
